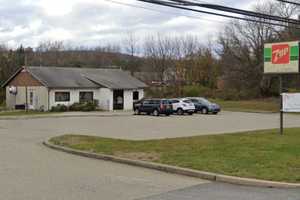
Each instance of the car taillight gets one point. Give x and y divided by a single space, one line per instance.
161 106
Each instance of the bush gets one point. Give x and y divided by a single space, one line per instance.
161 92
59 108
201 91
2 106
228 94
90 106
85 107
197 91
183 91
75 107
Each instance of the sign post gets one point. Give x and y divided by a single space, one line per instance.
279 59
281 103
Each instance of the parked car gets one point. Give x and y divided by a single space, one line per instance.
153 106
205 106
182 106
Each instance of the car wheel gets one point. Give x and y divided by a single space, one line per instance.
155 112
204 111
180 111
137 112
215 113
168 115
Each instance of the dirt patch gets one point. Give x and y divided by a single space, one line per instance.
139 156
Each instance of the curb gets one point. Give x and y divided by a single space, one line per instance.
177 170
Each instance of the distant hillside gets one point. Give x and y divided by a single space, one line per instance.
82 58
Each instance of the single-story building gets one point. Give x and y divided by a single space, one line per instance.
41 88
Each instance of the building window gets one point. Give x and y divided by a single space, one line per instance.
62 96
31 98
136 96
86 97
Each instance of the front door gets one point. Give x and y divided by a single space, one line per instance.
118 99
31 101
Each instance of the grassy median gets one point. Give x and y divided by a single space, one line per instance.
260 154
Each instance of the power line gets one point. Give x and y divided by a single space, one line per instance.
236 11
160 11
212 13
289 2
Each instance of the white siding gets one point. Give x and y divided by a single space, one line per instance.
40 97
10 99
103 95
141 93
106 99
128 99
74 96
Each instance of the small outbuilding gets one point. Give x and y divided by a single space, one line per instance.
41 88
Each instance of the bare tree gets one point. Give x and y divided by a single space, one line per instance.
242 49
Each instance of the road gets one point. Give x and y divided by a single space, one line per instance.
28 170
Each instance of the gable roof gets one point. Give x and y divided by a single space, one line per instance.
60 77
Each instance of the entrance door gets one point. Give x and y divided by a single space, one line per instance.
118 99
31 100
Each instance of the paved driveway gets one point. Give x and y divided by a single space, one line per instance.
28 170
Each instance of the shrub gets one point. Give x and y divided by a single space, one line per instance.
90 106
59 108
197 91
228 94
85 107
75 107
2 106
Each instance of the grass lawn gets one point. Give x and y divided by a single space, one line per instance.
262 105
260 154
23 113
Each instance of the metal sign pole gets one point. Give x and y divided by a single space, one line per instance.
281 103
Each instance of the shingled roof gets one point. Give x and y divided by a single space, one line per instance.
61 77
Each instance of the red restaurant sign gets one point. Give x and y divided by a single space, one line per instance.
281 54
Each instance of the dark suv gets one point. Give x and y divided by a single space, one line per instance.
153 106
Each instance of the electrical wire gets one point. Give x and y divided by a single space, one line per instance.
216 14
163 12
237 11
289 2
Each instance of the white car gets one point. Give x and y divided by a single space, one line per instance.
182 106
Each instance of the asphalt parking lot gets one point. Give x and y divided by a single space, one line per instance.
28 170
128 126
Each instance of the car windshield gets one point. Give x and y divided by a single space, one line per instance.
205 101
165 102
187 101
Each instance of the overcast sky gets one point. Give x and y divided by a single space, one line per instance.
94 22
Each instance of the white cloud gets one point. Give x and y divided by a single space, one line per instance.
89 22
